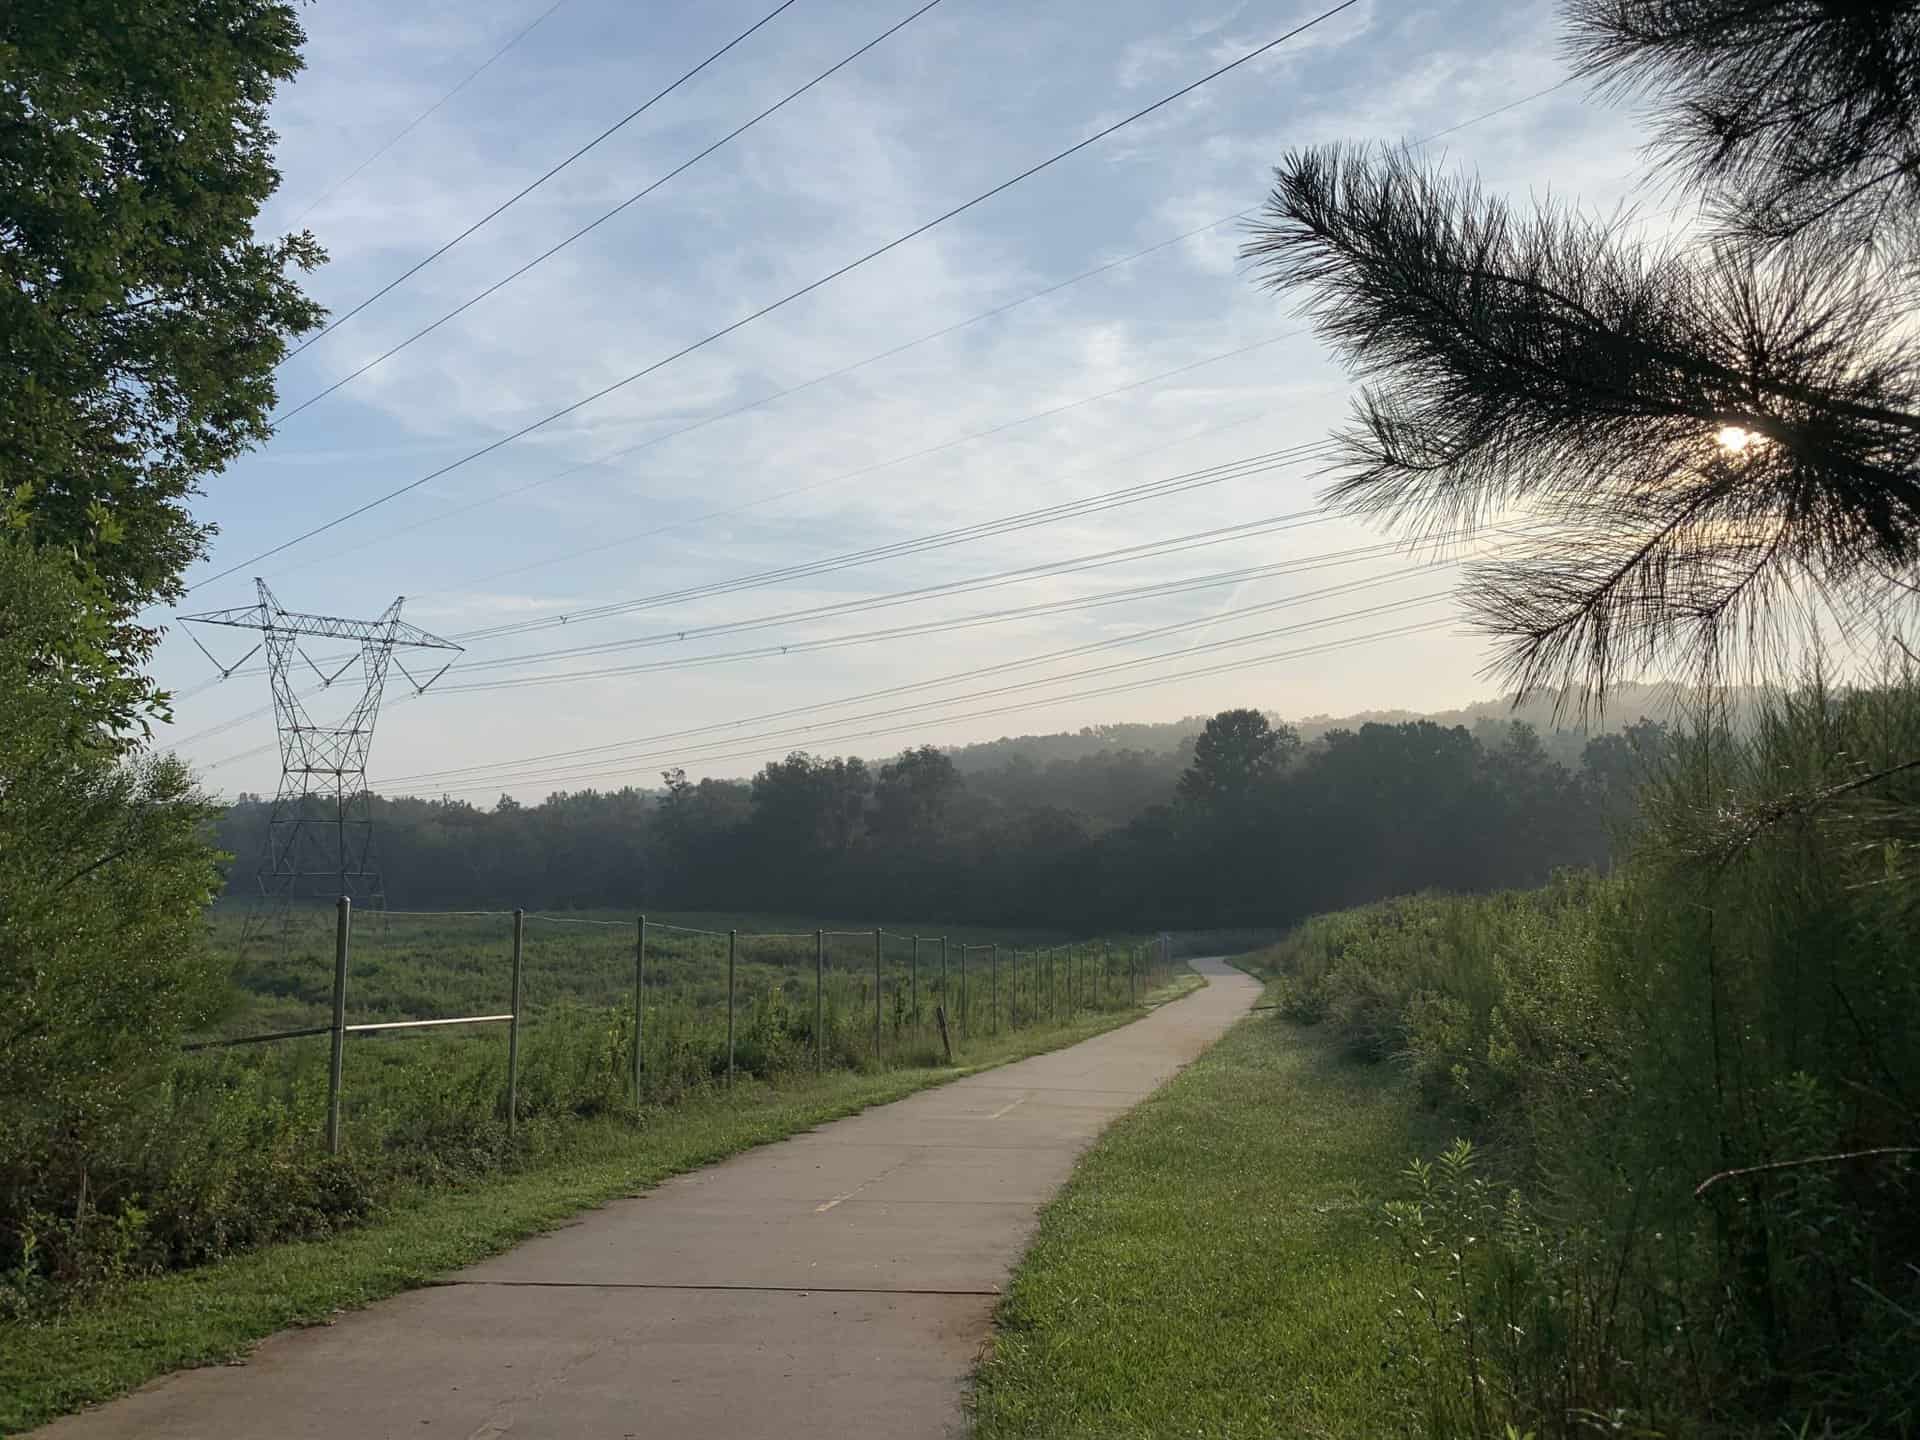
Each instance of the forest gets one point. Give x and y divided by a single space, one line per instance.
1246 823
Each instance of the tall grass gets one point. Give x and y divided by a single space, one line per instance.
222 1150
1693 1207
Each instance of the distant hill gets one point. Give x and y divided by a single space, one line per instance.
1564 738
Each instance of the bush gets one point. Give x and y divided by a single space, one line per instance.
1654 1236
103 965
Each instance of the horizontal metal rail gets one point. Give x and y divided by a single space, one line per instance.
424 1024
259 1039
429 914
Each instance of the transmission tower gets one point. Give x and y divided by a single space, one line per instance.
320 831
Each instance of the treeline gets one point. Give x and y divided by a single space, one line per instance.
1246 825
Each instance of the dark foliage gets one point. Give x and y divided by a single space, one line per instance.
140 317
1258 830
1548 366
1718 440
1791 116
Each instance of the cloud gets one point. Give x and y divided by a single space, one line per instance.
995 418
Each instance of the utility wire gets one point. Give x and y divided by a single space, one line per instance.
1559 84
692 521
813 485
839 609
941 627
821 379
885 692
632 199
826 377
940 540
528 189
784 300
411 125
887 354
794 734
894 599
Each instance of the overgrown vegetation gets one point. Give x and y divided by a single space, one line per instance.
196 1157
210 1313
103 875
1691 1200
1213 1266
1261 828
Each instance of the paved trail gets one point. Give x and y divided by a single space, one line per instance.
837 1284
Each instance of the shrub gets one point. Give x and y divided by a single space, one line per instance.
1663 1063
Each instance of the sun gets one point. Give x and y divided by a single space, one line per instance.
1733 439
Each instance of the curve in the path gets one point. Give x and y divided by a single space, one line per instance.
837 1284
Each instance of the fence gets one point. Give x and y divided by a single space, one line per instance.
687 1006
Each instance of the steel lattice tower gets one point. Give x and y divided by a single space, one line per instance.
320 832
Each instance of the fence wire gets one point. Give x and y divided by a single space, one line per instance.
635 1011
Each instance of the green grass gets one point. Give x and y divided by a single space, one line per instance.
1214 1267
211 1313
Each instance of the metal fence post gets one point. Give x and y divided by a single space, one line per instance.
945 999
819 1002
963 991
1133 985
732 937
342 930
513 1025
913 983
993 986
639 1003
879 946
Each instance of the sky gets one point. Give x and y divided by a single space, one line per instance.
931 389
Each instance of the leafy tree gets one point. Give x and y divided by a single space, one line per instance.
1716 437
1238 750
140 319
911 796
103 876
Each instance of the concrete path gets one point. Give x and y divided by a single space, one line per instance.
838 1284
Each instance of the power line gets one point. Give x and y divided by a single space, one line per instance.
784 300
1228 667
802 733
897 598
632 199
411 125
887 354
924 453
811 486
885 692
1559 84
941 627
830 375
1202 478
777 395
940 540
528 189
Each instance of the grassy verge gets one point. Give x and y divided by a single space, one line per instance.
1214 1266
206 1315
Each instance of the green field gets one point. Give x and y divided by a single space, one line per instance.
1215 1266
222 1179
211 1312
583 987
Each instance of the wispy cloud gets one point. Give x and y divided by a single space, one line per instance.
954 104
